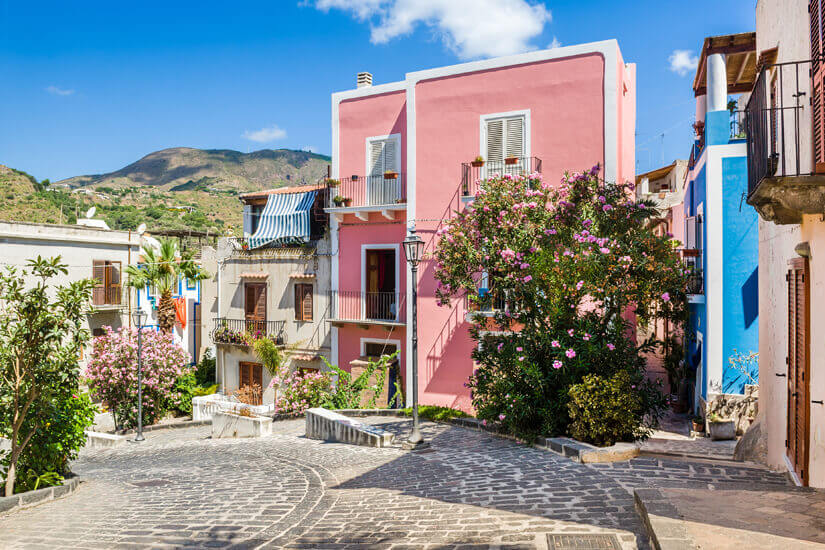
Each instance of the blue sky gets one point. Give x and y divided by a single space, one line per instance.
88 87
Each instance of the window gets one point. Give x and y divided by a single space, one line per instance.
303 302
383 155
106 275
504 137
374 350
251 217
251 374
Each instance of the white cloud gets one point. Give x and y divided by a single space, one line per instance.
265 135
683 61
554 44
55 90
470 28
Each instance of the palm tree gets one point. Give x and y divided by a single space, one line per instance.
161 268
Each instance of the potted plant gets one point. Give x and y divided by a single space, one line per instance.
347 201
333 182
721 429
390 175
338 200
245 245
698 424
510 160
478 162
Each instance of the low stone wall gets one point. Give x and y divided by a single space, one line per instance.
204 406
33 498
99 440
588 454
333 426
230 424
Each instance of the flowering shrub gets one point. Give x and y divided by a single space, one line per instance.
226 335
297 392
569 266
112 373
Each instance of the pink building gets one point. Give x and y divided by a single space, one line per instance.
402 158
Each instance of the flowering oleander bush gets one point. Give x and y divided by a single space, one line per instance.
297 392
112 373
571 267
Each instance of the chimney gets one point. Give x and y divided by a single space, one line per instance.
364 79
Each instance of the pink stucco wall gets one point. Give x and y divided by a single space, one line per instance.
361 118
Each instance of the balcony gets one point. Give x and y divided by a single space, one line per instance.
242 331
782 128
692 259
356 194
106 298
367 308
472 172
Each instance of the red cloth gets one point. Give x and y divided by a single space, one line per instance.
180 310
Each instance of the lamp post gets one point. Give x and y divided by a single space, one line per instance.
139 316
414 250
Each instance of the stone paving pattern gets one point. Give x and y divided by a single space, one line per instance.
182 489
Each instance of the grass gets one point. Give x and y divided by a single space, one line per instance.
432 412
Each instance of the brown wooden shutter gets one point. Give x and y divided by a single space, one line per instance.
255 301
815 9
113 283
99 276
303 302
798 429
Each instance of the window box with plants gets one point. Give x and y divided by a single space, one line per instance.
478 162
333 182
509 161
390 175
339 201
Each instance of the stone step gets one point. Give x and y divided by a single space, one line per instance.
332 426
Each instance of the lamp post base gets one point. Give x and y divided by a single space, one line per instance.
414 445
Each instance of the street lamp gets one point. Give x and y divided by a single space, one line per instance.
139 316
414 249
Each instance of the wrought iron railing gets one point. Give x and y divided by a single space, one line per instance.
108 296
472 172
778 123
737 125
692 259
381 190
367 306
243 331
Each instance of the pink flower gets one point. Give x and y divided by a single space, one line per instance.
555 344
570 332
579 285
521 358
604 250
611 347
519 348
666 297
528 278
483 422
586 337
570 353
557 364
502 416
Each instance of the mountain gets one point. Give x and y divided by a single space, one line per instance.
178 188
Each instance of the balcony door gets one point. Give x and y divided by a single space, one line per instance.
381 300
106 275
255 306
383 185
798 376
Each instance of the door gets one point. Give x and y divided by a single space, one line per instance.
250 375
798 374
383 188
255 306
505 139
380 301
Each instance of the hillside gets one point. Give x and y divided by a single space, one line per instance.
169 189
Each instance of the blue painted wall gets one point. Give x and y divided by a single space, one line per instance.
740 287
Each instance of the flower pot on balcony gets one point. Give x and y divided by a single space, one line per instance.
347 201
511 160
333 183
477 163
390 175
338 200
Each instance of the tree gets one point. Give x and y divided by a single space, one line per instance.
162 268
41 337
562 270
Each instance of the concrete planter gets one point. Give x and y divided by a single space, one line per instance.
722 430
205 406
230 424
33 498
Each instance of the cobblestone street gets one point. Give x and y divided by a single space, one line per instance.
470 490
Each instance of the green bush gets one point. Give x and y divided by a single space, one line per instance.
205 369
606 410
432 412
346 393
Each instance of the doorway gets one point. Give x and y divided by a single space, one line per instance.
798 376
381 299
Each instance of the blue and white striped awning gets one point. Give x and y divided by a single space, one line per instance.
285 218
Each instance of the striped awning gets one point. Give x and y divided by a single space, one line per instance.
285 219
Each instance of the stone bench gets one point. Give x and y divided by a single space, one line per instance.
332 426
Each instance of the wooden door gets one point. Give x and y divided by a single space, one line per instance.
255 306
250 374
798 434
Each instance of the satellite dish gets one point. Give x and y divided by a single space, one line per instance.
91 212
141 229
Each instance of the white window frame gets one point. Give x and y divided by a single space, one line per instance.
367 152
365 341
364 247
482 130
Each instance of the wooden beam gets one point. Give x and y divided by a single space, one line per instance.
742 67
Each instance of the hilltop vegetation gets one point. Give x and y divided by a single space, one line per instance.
177 188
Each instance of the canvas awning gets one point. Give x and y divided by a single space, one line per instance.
284 219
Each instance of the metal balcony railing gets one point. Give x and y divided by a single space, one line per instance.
737 125
472 172
381 190
692 259
108 296
243 331
778 123
367 306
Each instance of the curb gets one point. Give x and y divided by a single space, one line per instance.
587 453
663 523
33 498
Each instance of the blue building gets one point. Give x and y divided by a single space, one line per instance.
721 232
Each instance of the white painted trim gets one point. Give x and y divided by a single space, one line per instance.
365 341
367 91
364 247
482 131
334 249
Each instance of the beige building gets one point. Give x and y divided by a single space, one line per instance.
786 185
274 281
89 252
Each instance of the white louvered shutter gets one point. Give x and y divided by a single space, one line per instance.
514 146
376 158
495 141
390 156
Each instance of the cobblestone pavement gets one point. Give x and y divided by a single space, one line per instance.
470 490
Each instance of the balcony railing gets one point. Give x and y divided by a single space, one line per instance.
108 296
778 122
243 331
382 190
472 172
367 306
692 259
737 125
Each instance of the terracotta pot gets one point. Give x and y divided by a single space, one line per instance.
477 163
511 160
698 426
390 175
347 202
